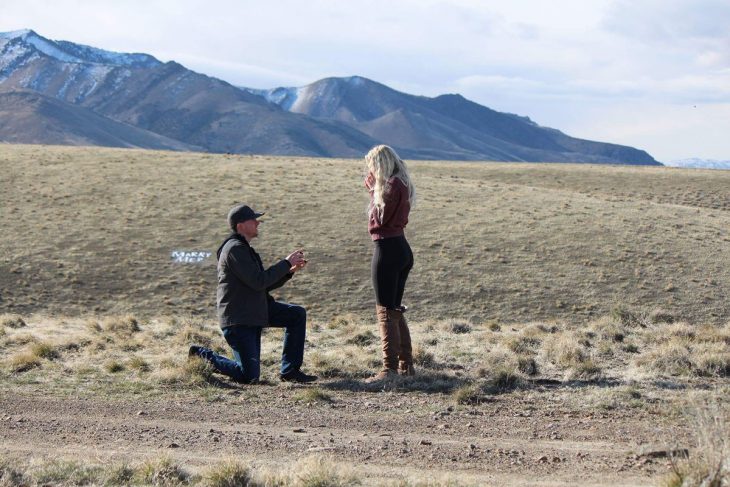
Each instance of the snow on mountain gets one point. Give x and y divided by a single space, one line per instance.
284 97
291 99
17 43
100 56
698 163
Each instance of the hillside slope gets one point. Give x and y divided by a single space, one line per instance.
503 242
31 118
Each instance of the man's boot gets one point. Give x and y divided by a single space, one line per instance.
388 320
405 362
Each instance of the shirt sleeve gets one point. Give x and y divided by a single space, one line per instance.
392 199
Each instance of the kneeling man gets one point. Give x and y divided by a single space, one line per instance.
245 306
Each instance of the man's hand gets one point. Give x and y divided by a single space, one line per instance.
296 259
299 267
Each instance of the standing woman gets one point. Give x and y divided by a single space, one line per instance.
391 196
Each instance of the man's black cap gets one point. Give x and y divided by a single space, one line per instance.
241 213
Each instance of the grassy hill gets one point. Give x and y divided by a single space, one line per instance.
90 230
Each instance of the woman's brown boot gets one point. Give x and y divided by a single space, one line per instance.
388 320
405 362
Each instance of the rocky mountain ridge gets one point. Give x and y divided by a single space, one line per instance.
173 107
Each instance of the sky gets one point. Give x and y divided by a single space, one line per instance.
652 74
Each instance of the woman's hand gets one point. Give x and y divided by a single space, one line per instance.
369 181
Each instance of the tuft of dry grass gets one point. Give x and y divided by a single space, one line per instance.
627 316
319 471
11 474
312 395
118 474
680 349
471 394
522 344
190 372
571 355
456 326
346 320
12 321
527 365
363 339
708 464
44 350
229 473
659 315
66 472
162 472
122 325
23 362
113 366
423 357
196 332
139 364
609 329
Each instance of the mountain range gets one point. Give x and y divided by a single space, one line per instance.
59 92
697 163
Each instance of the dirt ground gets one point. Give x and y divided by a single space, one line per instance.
537 437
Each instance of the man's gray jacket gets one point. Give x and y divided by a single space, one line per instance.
244 285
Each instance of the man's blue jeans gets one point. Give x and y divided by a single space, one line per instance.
246 344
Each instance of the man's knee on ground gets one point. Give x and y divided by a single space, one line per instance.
245 377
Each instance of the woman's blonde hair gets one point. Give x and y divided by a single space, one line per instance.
383 162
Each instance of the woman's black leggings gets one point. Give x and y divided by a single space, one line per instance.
392 261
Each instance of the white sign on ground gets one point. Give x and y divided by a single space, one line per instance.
189 256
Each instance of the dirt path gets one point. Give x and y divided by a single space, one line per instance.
517 439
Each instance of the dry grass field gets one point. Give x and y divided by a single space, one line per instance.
571 324
92 231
